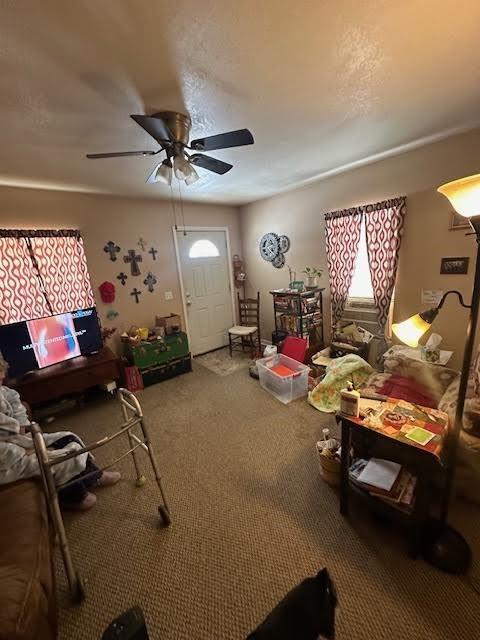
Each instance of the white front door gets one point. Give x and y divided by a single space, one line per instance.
206 284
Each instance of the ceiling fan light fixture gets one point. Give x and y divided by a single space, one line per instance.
181 167
164 172
192 176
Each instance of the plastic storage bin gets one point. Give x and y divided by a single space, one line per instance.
285 388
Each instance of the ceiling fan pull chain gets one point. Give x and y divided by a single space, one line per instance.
173 207
181 206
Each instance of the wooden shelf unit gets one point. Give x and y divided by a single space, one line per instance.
300 313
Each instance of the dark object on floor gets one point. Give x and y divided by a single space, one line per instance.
305 613
278 336
445 548
128 626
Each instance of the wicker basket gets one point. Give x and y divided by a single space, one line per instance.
330 469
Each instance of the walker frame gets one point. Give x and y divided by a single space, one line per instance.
133 416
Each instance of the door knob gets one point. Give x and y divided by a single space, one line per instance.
188 299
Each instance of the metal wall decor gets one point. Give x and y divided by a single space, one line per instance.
122 277
273 247
153 253
149 281
142 243
112 249
133 259
136 293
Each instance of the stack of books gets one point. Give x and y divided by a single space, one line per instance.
385 480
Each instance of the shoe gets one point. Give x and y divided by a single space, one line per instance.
108 478
87 503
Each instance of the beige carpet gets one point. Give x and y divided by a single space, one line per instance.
222 363
251 518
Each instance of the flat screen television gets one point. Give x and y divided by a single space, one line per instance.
42 342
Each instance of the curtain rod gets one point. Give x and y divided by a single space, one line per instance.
40 233
367 208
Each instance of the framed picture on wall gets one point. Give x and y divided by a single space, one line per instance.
458 222
454 266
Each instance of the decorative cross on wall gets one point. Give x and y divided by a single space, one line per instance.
142 244
122 277
135 292
134 260
150 280
112 249
154 252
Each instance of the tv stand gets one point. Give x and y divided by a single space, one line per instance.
72 377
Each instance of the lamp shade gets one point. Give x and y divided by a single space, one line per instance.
464 194
164 172
411 330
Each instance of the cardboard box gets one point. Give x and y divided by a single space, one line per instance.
172 323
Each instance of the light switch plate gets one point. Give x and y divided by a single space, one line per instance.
168 295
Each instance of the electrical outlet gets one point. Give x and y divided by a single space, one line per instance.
168 295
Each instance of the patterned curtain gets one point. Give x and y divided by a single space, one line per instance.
384 227
42 273
342 229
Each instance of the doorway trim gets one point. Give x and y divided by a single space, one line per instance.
180 273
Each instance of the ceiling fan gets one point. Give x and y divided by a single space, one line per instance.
171 130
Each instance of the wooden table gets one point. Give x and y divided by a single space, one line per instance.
68 378
425 462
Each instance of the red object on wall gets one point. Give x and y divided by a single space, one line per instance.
107 291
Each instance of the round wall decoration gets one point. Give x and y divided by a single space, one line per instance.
273 248
284 243
279 261
269 247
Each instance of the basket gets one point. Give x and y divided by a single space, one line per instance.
330 469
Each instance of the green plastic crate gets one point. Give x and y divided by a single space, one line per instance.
151 354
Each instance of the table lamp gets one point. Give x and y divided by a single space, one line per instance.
445 547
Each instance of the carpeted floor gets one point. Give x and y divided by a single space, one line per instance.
222 363
251 518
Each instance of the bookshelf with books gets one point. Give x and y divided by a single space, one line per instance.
299 313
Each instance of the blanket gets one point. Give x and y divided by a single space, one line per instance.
350 368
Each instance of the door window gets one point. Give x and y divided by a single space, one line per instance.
203 249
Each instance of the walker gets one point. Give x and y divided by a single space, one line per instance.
133 416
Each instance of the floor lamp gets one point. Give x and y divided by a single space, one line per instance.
445 547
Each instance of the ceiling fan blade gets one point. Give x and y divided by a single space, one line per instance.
237 138
155 127
212 164
120 154
151 178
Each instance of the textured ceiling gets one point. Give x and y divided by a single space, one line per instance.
321 84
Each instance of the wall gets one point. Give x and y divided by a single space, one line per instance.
427 238
123 220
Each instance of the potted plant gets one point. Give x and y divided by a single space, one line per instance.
312 274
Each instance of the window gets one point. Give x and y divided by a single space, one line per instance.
203 249
361 286
42 273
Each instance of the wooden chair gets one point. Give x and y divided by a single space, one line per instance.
247 332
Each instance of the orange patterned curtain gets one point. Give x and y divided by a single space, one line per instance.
342 229
384 228
42 272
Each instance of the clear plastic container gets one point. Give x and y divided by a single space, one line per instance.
284 388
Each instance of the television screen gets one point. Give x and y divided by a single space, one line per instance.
34 344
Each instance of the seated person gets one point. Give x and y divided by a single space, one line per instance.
18 460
